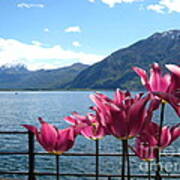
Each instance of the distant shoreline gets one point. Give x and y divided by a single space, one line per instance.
53 90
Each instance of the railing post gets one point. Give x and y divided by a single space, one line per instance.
31 175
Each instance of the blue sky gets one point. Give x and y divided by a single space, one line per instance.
55 33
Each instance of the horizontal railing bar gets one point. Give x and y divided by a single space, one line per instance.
13 132
14 153
88 175
80 154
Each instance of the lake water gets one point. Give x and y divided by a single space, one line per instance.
25 107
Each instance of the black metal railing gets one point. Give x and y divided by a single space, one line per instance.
32 174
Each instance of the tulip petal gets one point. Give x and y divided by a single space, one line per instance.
175 131
136 116
143 75
48 134
173 100
119 125
155 78
154 104
31 128
65 139
174 69
120 96
165 137
71 120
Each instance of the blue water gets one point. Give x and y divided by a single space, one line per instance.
25 107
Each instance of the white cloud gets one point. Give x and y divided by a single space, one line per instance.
112 3
37 43
92 1
170 5
36 57
76 44
156 7
73 29
27 5
46 30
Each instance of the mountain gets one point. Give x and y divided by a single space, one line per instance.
115 71
10 69
19 77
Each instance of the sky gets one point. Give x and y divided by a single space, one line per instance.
55 33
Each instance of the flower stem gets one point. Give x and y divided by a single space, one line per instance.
97 159
123 161
158 174
57 167
128 162
149 170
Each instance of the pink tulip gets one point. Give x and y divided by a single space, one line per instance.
89 126
156 82
147 143
103 103
143 150
124 116
53 140
168 135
